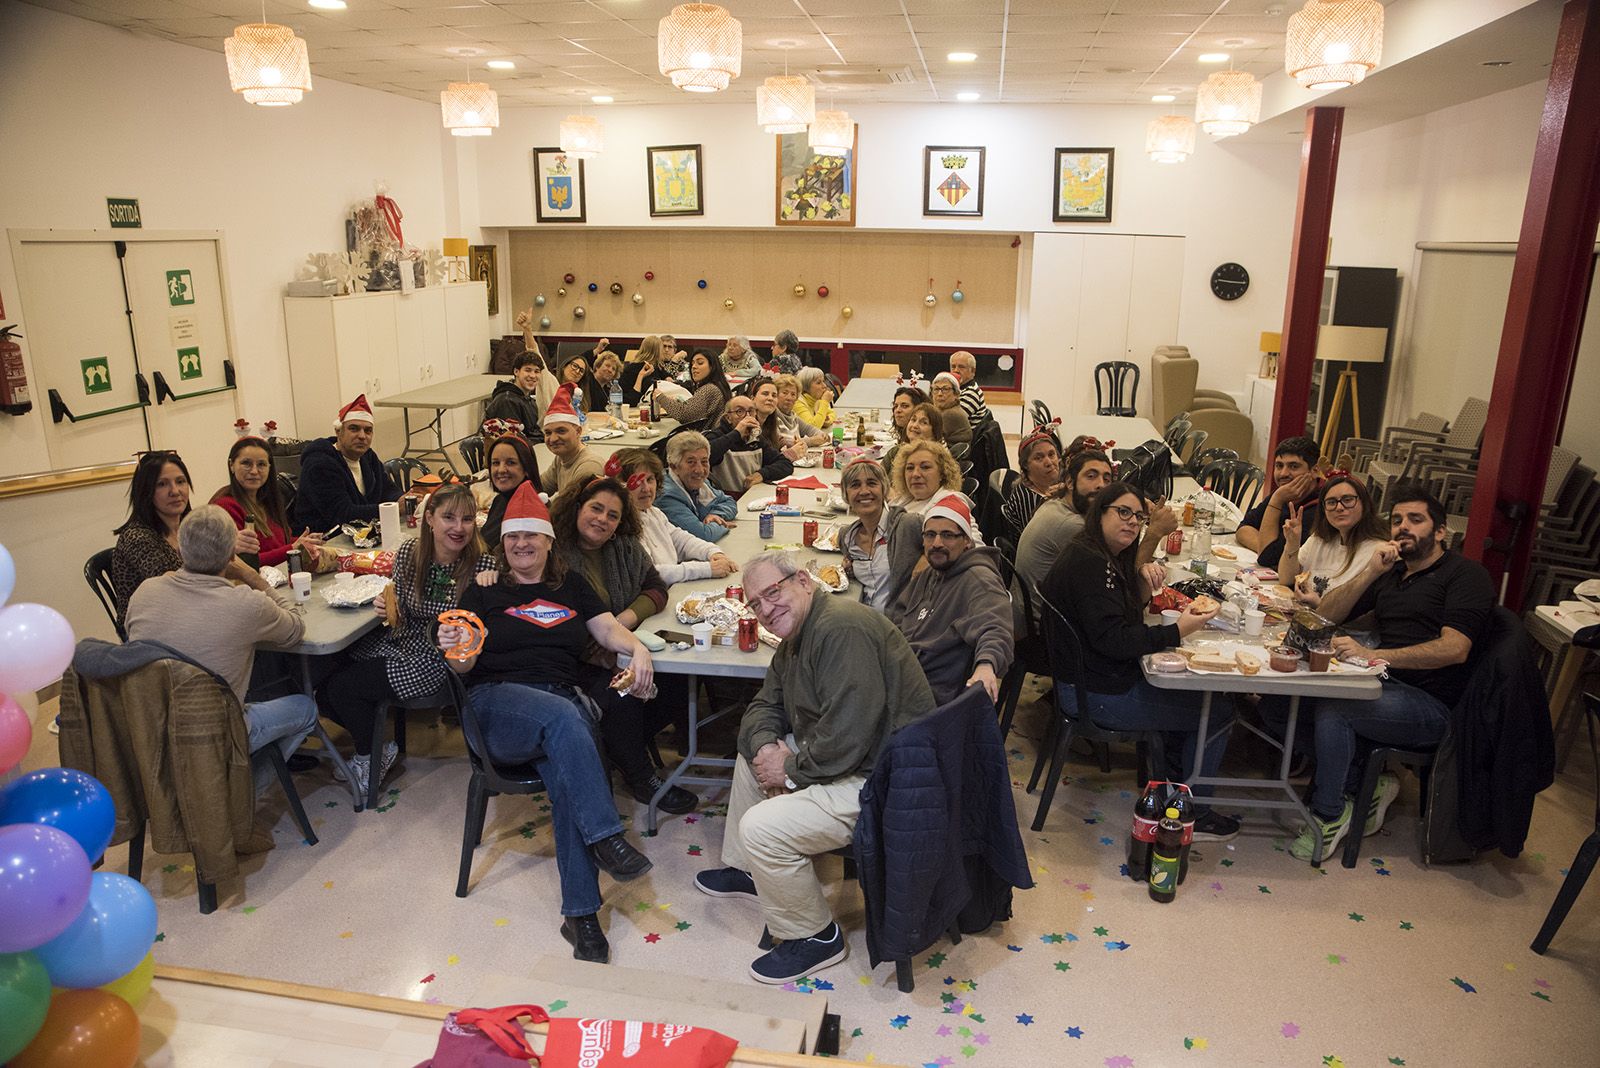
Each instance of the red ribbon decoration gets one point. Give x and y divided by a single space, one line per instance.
391 216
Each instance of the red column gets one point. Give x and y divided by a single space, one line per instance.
1308 259
1544 316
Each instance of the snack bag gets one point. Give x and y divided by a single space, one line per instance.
494 1038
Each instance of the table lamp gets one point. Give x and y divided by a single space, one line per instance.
455 250
1271 344
1348 345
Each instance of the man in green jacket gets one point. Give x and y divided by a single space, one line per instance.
842 680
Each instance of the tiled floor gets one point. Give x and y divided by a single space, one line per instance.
1261 960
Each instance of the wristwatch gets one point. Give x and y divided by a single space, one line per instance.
789 784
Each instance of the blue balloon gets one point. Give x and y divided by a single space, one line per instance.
69 800
108 939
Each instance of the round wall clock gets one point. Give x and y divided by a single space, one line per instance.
1230 281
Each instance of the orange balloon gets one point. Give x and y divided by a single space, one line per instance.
84 1027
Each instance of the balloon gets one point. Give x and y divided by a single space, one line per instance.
135 986
24 1000
35 647
16 734
44 883
8 575
109 937
68 800
84 1027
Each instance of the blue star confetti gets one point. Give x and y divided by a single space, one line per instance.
1015 949
1024 1019
1118 945
1074 1032
1464 985
1106 841
899 1022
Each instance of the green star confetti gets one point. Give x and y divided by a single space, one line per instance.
1101 931
1063 966
1263 890
1405 925
1356 916
557 1005
683 925
935 960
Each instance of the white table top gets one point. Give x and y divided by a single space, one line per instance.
871 393
455 393
1569 616
328 629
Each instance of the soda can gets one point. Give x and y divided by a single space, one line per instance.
764 525
808 532
781 494
292 561
644 413
1175 543
827 457
734 593
748 639
1188 513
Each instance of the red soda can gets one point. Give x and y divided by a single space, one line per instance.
827 457
781 494
1175 543
734 593
644 413
808 532
747 636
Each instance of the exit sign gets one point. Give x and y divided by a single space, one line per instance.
124 212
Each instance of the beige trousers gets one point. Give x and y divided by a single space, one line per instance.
774 839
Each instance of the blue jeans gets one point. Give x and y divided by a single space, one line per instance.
1176 713
284 721
519 720
1402 715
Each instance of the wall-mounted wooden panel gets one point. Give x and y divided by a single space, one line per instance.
883 276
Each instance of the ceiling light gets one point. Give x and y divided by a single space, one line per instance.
602 99
832 134
471 109
785 103
698 46
967 98
267 64
962 57
1213 57
1333 43
327 5
1169 139
582 136
1228 103
501 64
1162 98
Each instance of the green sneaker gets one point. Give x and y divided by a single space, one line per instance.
1332 833
1382 798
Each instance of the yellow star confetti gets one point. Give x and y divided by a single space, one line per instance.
452 959
1510 967
189 868
865 980
347 934
328 885
501 921
663 908
1200 1043
1088 895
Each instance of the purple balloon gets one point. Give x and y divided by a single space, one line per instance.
35 647
44 884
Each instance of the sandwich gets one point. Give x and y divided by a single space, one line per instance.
1248 663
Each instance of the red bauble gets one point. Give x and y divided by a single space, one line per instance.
822 291
649 276
569 278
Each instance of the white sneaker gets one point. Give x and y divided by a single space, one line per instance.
360 771
391 753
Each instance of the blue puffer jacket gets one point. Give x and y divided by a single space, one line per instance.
938 829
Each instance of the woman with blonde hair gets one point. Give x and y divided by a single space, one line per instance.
922 471
792 428
643 369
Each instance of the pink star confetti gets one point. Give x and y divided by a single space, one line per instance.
981 1038
1216 886
1121 1060
691 819
1291 1030
943 1031
430 977
1542 984
1083 886
652 937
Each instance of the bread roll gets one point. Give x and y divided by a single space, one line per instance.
1212 662
1203 604
1248 663
1224 552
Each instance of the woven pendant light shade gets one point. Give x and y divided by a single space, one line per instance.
1228 103
471 109
267 64
785 103
582 136
1333 43
1169 139
699 47
832 133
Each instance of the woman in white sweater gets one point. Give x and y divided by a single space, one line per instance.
678 555
1326 544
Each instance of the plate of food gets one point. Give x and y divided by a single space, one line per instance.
827 539
830 577
355 592
1233 554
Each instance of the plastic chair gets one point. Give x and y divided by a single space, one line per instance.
1116 396
1238 480
1377 761
1206 456
960 450
1039 412
1588 852
488 779
97 573
471 448
969 487
402 469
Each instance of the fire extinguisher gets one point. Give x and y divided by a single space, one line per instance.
14 398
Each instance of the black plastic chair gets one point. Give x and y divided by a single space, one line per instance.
1188 449
471 448
488 779
402 469
1065 651
1206 456
1589 851
1039 412
1114 394
959 449
1377 761
1031 656
1238 480
1173 433
288 490
97 573
969 487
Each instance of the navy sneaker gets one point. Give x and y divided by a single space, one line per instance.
726 882
800 957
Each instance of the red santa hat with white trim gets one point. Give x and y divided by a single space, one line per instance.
357 411
951 506
561 410
526 512
947 376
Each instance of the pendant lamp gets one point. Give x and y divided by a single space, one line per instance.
832 133
1228 103
1333 43
1169 139
699 47
785 104
582 136
471 109
267 64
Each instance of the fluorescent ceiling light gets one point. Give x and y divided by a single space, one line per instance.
501 64
327 5
967 98
962 57
1162 98
602 99
1213 57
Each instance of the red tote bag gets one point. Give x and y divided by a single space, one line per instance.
493 1038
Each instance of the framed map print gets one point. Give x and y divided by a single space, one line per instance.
815 190
952 180
557 186
677 184
1083 184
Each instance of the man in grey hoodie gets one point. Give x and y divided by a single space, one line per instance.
956 612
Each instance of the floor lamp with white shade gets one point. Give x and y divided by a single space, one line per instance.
1348 345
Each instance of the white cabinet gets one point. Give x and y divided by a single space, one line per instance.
381 344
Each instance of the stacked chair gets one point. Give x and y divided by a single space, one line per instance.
1407 454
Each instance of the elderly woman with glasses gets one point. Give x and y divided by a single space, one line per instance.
946 397
815 405
1099 587
1344 531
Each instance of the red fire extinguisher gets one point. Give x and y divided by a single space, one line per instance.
14 398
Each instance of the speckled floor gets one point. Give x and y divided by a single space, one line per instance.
1261 961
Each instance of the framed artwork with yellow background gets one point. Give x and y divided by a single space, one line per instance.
815 190
676 180
1082 184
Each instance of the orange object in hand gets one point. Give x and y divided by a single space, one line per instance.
460 617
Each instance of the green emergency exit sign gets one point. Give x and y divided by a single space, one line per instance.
124 213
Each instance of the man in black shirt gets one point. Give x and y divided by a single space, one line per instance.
1293 482
1429 606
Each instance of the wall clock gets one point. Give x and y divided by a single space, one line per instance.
1230 281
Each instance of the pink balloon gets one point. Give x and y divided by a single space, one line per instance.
35 647
16 734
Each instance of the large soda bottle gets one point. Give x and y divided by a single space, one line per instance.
1146 814
1163 883
1205 514
1178 797
614 400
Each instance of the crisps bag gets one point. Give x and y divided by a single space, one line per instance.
493 1038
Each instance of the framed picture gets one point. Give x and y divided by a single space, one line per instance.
1082 184
677 182
952 180
481 268
557 186
815 190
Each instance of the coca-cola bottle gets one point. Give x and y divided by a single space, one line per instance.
1146 814
1178 797
1163 882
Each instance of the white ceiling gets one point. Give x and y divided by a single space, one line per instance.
1090 51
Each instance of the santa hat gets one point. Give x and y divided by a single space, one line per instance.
525 511
954 381
951 506
561 410
357 411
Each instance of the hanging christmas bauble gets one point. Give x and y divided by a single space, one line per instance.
958 296
569 278
701 283
822 291
544 322
616 289
593 287
930 300
649 276
728 304
538 302
561 292
638 298
578 312
847 311
799 290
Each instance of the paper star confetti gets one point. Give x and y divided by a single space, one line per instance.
935 960
1063 966
328 885
694 851
1464 985
1118 946
1290 1030
1397 1060
1263 890
968 1051
430 977
1024 1019
248 909
1226 862
642 906
1542 984
1335 958
899 1022
1121 1060
1195 1043
1216 886
1405 925
161 936
683 925
452 959
1072 937
1382 871
1540 994
691 819
1074 1032
1356 916
943 1031
652 938
501 921
1332 1062
1101 931
558 1004
1051 938
347 934
981 1039
1107 841
1015 949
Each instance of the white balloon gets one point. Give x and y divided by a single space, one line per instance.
8 575
35 647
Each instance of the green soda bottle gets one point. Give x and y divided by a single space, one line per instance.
1165 858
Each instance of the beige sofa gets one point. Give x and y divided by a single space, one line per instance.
1173 374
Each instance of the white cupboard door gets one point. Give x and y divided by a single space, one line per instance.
350 347
1103 314
382 345
1154 293
411 356
1052 326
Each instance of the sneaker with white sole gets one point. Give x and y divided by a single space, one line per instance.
726 882
797 958
391 753
1215 827
1331 832
360 774
1388 789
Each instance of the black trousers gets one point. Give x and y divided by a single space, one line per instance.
352 697
627 724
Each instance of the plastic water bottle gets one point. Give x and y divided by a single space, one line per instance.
1205 514
1164 858
614 400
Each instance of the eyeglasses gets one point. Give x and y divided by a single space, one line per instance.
770 595
943 535
1128 513
1349 500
